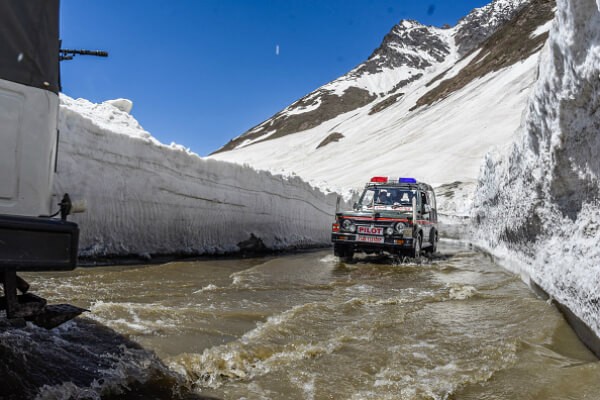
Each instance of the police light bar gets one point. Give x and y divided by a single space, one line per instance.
379 179
407 180
385 179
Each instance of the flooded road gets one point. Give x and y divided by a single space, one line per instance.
308 326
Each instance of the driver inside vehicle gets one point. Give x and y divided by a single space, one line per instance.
385 197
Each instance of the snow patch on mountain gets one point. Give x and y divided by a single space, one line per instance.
144 197
537 206
542 29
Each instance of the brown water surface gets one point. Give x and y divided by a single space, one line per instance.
308 326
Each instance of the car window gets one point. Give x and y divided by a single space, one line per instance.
392 197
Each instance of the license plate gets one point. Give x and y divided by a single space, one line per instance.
370 239
370 230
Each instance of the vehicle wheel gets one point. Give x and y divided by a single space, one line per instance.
338 250
433 248
344 252
349 255
416 253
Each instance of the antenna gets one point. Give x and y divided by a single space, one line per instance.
68 54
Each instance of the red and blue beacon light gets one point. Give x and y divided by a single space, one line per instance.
407 180
379 179
385 179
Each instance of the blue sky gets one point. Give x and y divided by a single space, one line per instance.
201 72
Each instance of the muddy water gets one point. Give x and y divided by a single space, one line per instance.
310 327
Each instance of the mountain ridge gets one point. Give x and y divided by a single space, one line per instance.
406 50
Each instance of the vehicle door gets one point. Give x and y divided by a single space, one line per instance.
425 210
432 203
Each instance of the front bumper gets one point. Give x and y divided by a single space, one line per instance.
367 242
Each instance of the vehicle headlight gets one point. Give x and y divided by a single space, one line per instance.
400 226
348 226
389 231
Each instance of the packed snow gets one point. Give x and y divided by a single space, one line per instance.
146 198
538 203
542 29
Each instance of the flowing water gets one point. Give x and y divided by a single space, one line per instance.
303 326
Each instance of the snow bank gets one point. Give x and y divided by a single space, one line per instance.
144 197
538 205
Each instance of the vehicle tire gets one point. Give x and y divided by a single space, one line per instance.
433 248
349 255
344 252
339 250
416 252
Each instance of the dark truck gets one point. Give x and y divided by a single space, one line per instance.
31 238
394 215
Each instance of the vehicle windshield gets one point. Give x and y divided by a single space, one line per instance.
387 198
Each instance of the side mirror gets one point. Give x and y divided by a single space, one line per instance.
355 206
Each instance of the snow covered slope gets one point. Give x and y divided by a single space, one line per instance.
538 204
144 197
428 103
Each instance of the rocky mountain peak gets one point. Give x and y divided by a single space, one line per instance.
409 44
481 23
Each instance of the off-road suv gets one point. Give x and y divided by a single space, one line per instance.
394 215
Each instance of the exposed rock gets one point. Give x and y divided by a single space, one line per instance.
382 105
284 123
424 42
334 137
405 82
481 23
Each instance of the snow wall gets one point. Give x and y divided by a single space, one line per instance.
145 198
537 206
